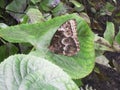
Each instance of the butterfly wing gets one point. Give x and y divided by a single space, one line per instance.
65 39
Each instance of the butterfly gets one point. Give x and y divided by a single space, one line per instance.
65 40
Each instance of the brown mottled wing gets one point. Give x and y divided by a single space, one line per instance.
65 39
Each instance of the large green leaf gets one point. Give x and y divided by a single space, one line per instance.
27 72
40 35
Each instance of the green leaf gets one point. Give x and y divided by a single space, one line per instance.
77 4
48 5
102 44
40 34
35 1
109 7
109 32
35 15
60 9
117 38
117 17
17 7
2 3
27 72
7 50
